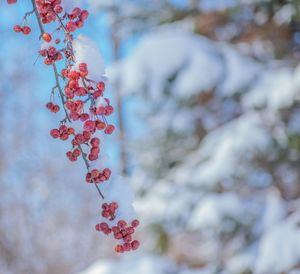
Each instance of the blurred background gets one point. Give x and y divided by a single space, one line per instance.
207 94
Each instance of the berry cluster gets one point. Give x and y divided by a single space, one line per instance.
109 210
73 155
25 30
63 132
96 176
51 55
121 231
53 107
83 102
79 16
48 10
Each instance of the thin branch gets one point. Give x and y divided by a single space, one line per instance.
58 86
60 92
38 17
88 167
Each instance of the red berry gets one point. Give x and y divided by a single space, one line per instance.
46 37
55 133
55 108
18 28
71 26
58 9
101 86
84 15
109 129
119 249
135 245
135 223
95 142
26 30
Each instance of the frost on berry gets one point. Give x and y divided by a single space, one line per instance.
80 87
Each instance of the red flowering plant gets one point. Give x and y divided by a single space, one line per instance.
85 109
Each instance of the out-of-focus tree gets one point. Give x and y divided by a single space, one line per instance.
217 171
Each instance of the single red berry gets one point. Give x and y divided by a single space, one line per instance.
135 223
95 142
71 27
127 246
122 223
49 105
55 109
58 9
101 86
109 129
119 249
55 133
18 28
84 15
26 30
46 37
135 245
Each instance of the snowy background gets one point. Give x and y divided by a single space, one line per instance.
208 100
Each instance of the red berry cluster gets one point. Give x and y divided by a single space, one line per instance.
82 100
122 231
48 10
51 55
73 155
109 210
94 149
25 30
63 132
96 176
78 16
53 107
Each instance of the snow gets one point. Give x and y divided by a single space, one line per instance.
284 14
163 205
275 89
198 194
132 265
192 59
279 248
222 149
234 62
146 264
206 270
275 209
240 263
87 51
213 209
